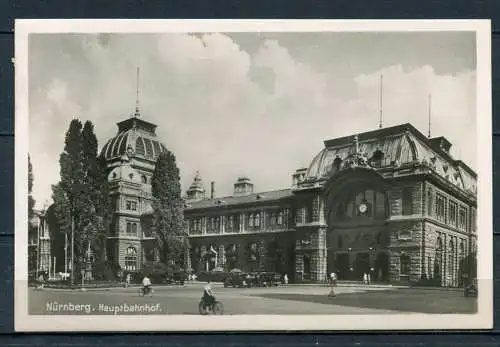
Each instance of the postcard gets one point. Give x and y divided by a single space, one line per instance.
253 175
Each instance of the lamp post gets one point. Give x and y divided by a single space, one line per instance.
371 273
72 250
351 269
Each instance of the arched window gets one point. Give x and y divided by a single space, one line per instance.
129 228
131 259
404 262
257 219
139 146
439 257
144 179
280 218
451 259
462 250
134 229
357 202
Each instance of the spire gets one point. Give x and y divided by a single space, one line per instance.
137 109
429 111
380 100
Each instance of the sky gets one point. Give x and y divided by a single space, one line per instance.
248 104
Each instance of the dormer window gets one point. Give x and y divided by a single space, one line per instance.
336 163
377 158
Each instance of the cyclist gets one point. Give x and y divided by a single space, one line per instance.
208 295
146 285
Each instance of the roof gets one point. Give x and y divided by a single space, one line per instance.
136 136
262 197
400 144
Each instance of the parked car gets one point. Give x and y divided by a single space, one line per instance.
471 289
236 280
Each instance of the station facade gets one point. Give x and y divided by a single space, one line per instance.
391 203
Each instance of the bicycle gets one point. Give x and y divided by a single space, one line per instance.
216 308
142 291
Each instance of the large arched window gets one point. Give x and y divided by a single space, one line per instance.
356 202
131 259
451 259
439 257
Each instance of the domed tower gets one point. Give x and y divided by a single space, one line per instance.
131 157
196 190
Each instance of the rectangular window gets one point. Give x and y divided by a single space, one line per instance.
452 214
404 265
440 208
131 205
429 202
462 219
473 220
407 196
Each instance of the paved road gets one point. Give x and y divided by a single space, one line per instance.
277 300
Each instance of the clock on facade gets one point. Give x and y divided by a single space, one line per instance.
363 208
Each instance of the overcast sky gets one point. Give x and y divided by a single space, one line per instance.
258 105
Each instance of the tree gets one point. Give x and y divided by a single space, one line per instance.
168 215
31 201
81 197
95 193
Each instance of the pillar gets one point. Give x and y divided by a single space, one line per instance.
221 256
242 223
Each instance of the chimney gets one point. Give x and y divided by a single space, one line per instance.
212 190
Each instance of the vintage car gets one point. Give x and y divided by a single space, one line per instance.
236 280
471 289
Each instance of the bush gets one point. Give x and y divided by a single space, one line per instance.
218 276
157 272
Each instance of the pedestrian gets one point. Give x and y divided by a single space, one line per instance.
127 281
285 279
369 277
193 277
333 278
365 278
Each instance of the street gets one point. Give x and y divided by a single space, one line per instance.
294 299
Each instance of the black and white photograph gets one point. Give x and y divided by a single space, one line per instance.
218 175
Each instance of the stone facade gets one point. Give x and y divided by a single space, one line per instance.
390 203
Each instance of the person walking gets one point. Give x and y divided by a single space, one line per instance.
333 279
365 278
127 281
285 279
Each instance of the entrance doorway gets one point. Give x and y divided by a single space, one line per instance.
307 267
382 267
342 262
361 265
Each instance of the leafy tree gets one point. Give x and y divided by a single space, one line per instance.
168 216
82 196
31 201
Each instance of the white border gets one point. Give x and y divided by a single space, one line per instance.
482 320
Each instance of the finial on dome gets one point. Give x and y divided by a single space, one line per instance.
356 143
137 109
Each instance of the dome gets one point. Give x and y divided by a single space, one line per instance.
393 146
135 137
399 149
